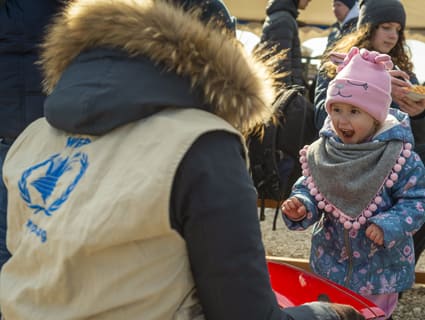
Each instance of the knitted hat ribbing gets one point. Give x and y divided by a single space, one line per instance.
348 3
376 12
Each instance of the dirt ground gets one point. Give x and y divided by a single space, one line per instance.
296 244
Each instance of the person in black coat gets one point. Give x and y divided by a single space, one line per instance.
22 25
346 13
280 30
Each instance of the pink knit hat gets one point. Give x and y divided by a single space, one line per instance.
363 81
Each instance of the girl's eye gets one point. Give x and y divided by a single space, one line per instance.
386 28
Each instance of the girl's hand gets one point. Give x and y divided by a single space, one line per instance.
398 94
412 108
399 84
294 209
375 234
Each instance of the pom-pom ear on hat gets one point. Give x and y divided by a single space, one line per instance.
363 81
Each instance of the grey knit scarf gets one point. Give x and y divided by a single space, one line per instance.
349 176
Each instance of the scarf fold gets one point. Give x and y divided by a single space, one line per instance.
350 176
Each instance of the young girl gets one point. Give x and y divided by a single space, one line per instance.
363 184
380 28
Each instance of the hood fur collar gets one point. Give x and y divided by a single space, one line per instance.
237 85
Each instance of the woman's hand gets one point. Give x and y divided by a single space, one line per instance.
294 209
399 90
412 108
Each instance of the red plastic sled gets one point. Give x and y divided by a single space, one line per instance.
294 286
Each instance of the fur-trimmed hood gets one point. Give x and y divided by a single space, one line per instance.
107 63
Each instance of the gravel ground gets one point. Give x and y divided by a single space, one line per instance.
296 244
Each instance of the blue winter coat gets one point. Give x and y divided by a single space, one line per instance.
22 23
348 257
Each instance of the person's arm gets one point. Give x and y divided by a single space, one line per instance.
400 82
408 212
213 207
320 113
417 120
312 214
279 32
333 35
418 129
415 109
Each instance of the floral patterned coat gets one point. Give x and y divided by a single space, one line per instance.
347 256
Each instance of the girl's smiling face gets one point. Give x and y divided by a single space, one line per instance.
386 37
351 124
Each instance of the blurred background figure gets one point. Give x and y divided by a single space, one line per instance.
346 13
22 24
280 30
280 41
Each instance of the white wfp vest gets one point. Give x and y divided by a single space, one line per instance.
88 222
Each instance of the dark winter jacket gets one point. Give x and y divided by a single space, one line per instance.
341 29
281 29
22 23
104 74
338 30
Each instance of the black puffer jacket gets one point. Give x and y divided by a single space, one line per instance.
22 23
339 31
281 29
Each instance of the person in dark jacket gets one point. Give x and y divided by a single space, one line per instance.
22 23
346 13
280 30
132 198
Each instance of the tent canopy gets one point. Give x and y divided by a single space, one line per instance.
318 12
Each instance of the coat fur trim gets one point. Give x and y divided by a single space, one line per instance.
238 86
